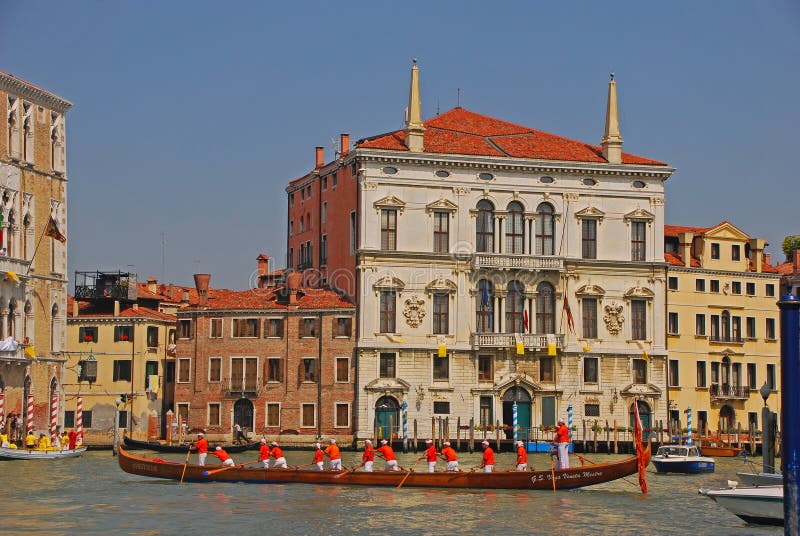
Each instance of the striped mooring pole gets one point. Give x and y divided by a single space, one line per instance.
53 414
405 425
569 421
689 425
29 415
515 422
79 418
790 409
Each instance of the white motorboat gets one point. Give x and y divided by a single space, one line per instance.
682 459
51 454
762 505
761 479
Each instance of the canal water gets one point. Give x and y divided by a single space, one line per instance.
91 495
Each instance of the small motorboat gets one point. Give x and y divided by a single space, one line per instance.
34 454
761 505
761 479
723 451
682 459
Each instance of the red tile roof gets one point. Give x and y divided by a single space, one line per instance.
786 268
460 131
106 310
272 298
675 259
675 230
166 293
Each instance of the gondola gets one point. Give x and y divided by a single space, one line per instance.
34 454
164 447
574 477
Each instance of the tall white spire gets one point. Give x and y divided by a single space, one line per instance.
612 140
415 131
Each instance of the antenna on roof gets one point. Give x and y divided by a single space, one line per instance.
437 106
163 254
335 144
458 97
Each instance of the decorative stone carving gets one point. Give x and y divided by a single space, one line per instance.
414 311
613 318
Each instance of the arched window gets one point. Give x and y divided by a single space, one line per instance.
485 307
484 227
515 305
726 326
11 319
545 308
545 230
515 228
53 315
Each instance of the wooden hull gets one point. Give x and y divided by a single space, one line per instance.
163 447
24 454
565 479
722 452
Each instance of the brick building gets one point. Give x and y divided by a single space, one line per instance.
276 361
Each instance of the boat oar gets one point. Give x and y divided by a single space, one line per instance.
214 471
296 467
355 467
408 473
553 471
183 473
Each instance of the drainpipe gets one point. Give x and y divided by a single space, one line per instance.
319 380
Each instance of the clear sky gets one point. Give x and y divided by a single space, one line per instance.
191 117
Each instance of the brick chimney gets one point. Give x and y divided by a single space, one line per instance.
796 260
767 258
344 144
116 307
685 240
320 157
263 265
201 284
75 308
185 298
293 285
757 246
152 285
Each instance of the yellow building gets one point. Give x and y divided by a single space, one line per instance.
722 326
120 357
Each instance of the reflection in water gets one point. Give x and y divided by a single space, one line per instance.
91 495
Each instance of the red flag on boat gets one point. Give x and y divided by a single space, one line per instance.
637 437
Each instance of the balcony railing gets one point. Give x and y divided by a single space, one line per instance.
730 392
237 388
731 339
517 262
535 341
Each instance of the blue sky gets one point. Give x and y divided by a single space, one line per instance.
190 117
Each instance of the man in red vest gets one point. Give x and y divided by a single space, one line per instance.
277 453
431 455
368 458
264 453
450 457
562 444
201 446
223 457
387 452
487 463
319 457
522 457
332 452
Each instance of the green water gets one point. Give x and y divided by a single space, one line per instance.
91 495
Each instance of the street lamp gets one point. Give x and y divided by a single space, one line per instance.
765 392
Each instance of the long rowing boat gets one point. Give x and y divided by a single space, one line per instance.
574 477
33 454
164 447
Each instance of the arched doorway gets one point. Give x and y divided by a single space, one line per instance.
645 414
387 413
523 399
727 418
243 414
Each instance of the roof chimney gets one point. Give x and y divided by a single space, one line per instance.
757 246
320 157
201 284
152 285
344 144
263 264
185 297
767 259
75 308
685 240
612 140
293 285
116 307
796 260
415 131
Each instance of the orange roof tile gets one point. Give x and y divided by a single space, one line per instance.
163 294
675 230
676 259
271 298
460 131
106 310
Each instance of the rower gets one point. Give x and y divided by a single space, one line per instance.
368 458
522 457
387 452
431 455
449 455
332 452
264 453
223 457
487 463
277 453
319 457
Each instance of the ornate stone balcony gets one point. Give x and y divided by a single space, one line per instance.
534 341
502 261
729 392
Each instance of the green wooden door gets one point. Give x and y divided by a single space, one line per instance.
548 410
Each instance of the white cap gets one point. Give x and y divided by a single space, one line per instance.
383 442
446 443
333 441
264 440
428 441
319 446
484 442
218 448
520 443
367 442
274 443
561 420
200 434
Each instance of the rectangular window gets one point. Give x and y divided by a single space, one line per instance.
750 289
274 369
309 369
343 369
388 229
87 418
752 420
387 311
387 365
589 317
274 328
736 252
752 381
589 239
441 314
638 240
441 407
244 374
441 368
736 329
273 414
736 287
639 371
87 334
122 370
343 327
702 420
323 250
715 327
700 285
770 331
214 369
546 369
771 380
69 419
308 327
342 415
674 373
215 331
169 372
639 320
486 413
715 251
770 289
152 336
714 285
441 232
150 370
245 328
308 415
290 258
123 333
485 368
715 373
672 323
701 374
324 214
672 283
591 410
353 233
700 324
184 329
591 372
214 414
335 179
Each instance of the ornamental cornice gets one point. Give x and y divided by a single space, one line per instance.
21 88
691 270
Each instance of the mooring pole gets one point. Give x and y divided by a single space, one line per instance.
790 408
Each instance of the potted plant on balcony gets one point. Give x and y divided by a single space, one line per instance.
88 338
123 337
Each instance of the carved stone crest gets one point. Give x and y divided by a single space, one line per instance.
613 318
414 311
